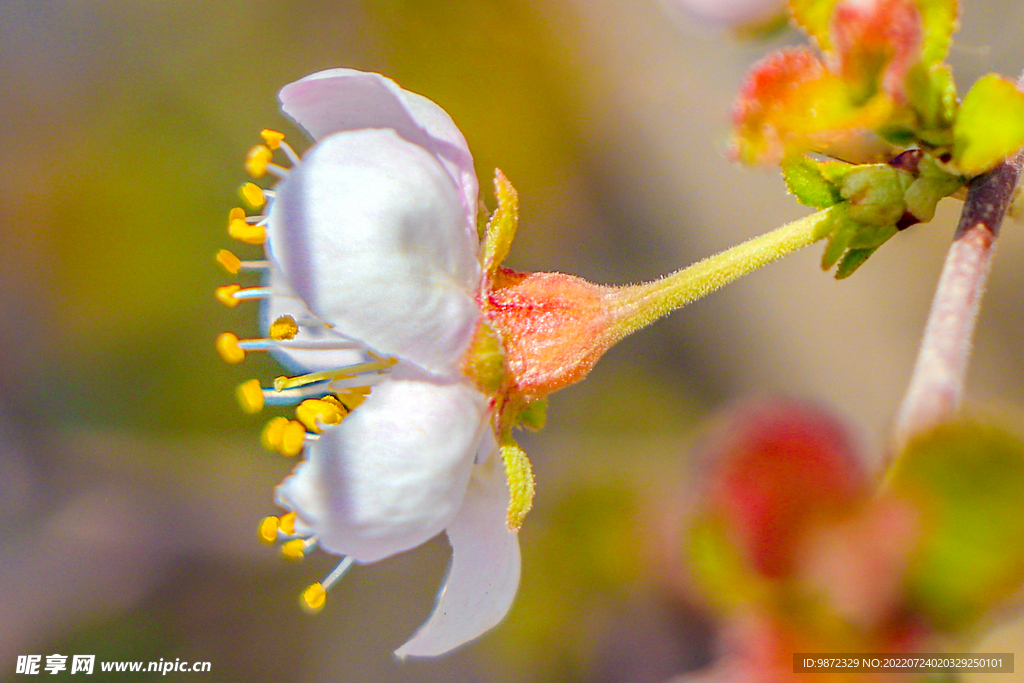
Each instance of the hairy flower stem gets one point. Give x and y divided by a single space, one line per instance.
639 305
937 383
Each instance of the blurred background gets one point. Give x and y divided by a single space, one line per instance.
132 485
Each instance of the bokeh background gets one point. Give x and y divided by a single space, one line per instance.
130 483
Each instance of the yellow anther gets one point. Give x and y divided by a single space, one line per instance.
294 549
250 396
228 348
333 400
353 398
253 195
313 598
229 261
288 523
315 412
293 437
257 160
284 328
239 230
235 214
268 529
338 405
226 295
273 433
273 138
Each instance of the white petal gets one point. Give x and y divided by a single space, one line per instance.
394 473
484 574
369 232
344 99
298 361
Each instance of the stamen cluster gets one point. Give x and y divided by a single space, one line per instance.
322 398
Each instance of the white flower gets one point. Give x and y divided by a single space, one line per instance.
418 354
373 251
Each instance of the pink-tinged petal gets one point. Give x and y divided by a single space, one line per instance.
344 99
368 230
286 302
761 113
791 103
484 574
393 474
876 42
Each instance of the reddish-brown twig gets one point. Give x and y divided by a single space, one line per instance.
936 386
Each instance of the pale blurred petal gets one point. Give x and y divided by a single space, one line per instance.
485 567
734 12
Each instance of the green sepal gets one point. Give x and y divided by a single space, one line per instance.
854 259
866 219
990 126
843 230
867 236
501 229
533 416
519 475
857 241
874 193
485 360
932 184
921 198
967 481
805 180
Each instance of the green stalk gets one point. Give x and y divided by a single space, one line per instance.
638 306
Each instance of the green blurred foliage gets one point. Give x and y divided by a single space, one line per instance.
968 483
990 126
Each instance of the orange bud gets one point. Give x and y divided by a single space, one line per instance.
553 327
